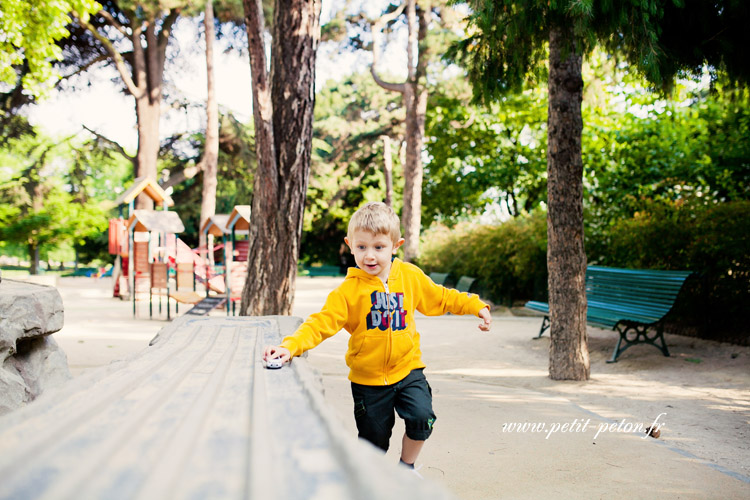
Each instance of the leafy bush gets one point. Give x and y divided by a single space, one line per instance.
509 260
686 235
713 241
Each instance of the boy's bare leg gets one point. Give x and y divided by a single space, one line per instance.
410 449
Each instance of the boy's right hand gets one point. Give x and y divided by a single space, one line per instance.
276 351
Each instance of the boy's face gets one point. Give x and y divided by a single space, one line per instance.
373 252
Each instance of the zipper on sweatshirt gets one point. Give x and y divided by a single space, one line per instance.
390 332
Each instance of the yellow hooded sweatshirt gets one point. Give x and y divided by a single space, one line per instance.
384 342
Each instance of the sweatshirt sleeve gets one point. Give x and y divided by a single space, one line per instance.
435 300
319 326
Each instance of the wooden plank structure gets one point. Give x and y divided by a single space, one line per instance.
236 252
196 415
151 270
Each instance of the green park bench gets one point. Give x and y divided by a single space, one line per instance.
196 415
439 278
633 302
465 283
313 271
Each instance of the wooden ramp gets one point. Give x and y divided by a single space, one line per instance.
196 415
206 305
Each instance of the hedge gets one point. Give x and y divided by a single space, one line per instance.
509 259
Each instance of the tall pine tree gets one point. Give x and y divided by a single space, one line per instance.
508 45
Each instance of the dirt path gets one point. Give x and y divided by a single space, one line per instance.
482 382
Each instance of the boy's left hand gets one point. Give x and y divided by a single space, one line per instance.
487 319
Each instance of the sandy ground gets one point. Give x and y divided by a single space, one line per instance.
485 382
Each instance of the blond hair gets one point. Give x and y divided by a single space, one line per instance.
377 218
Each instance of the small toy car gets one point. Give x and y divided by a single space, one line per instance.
274 364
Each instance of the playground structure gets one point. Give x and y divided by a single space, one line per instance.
152 261
235 254
153 250
119 241
213 259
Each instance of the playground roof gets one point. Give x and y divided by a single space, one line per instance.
216 225
239 219
157 221
150 188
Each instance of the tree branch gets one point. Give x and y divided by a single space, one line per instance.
393 87
139 58
458 125
163 38
166 29
114 22
182 175
85 67
422 48
153 62
387 18
377 28
116 145
411 16
116 56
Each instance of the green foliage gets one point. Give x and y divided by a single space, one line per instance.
506 40
50 194
483 155
57 220
28 35
509 260
505 46
679 235
235 173
713 241
351 117
695 34
692 148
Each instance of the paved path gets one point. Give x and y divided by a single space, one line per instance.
482 382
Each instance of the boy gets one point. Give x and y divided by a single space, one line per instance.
376 304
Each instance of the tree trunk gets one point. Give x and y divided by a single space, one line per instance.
415 101
143 77
33 258
411 215
388 170
147 117
211 152
566 258
283 140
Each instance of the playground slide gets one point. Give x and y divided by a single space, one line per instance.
185 254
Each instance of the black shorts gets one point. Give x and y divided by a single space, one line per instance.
374 407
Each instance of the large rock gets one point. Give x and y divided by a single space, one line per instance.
30 360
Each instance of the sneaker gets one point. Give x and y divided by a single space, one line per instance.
415 471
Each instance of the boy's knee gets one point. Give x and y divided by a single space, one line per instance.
419 429
381 441
373 426
375 433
